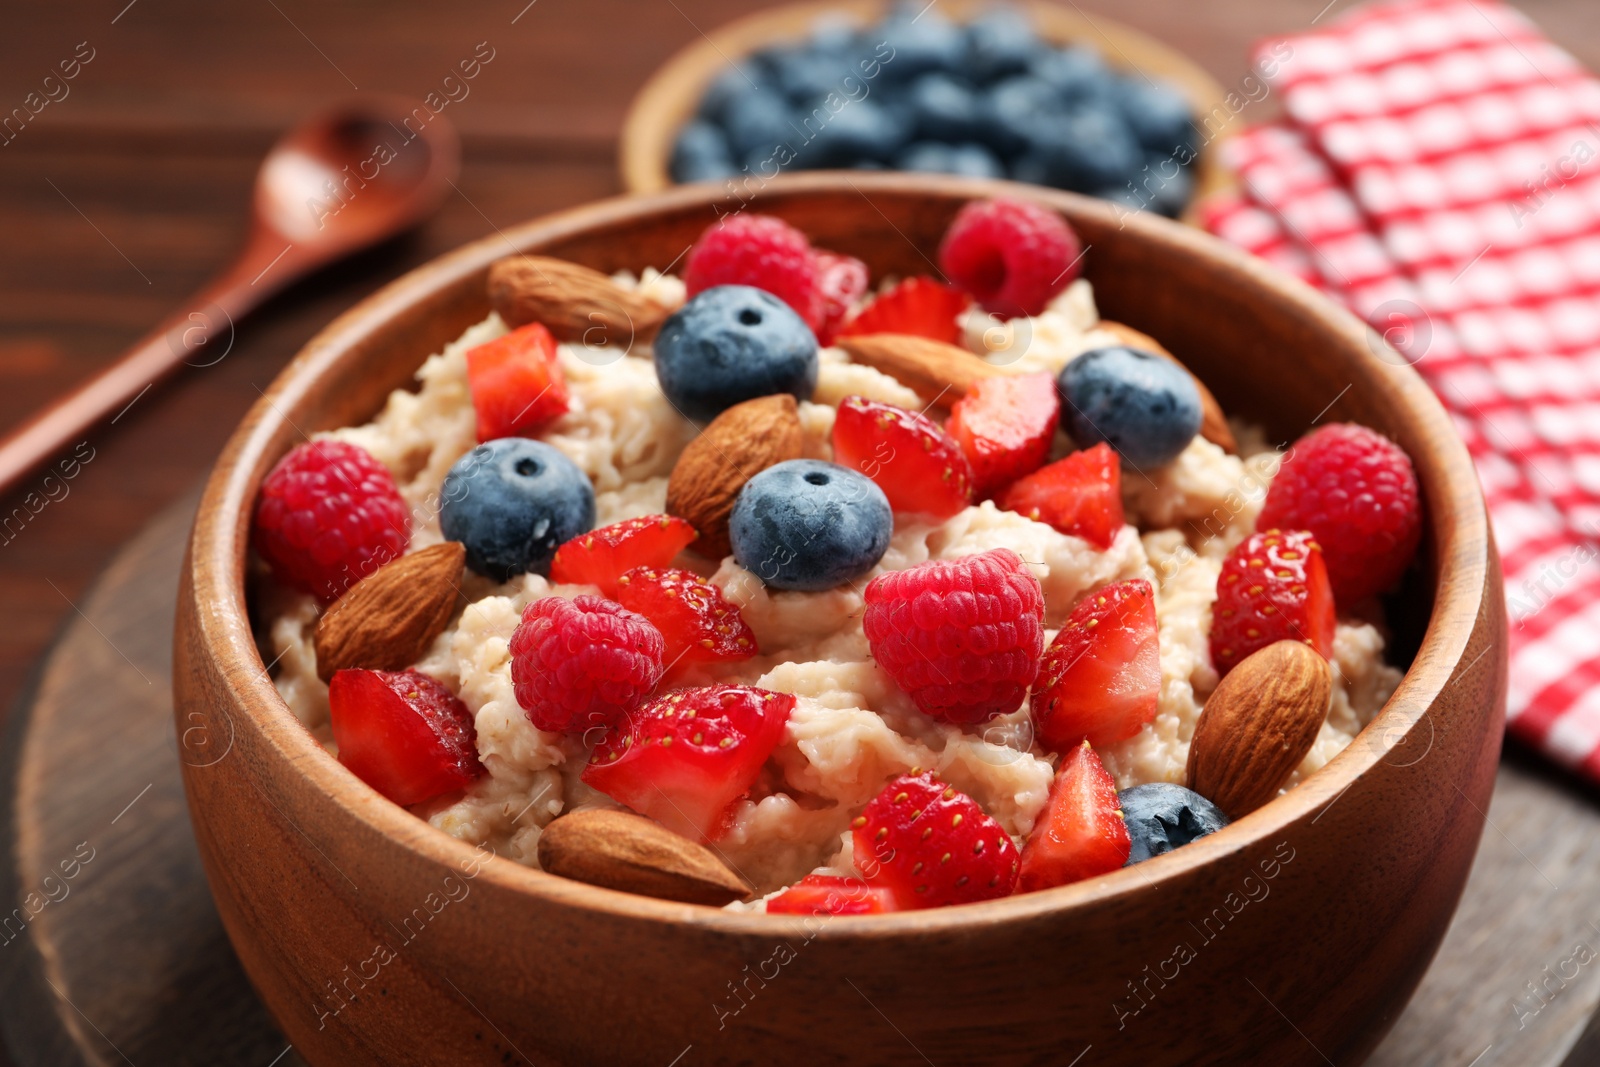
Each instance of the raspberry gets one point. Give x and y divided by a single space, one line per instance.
1013 256
582 663
1272 587
763 252
961 637
1354 489
930 845
327 516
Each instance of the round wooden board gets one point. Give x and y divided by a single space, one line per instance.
123 959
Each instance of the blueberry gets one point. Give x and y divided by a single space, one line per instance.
1144 406
1000 41
807 73
945 109
1159 117
1019 111
1165 187
922 42
975 161
700 153
1077 73
758 118
859 130
733 84
733 343
968 160
1088 149
1162 817
512 502
805 524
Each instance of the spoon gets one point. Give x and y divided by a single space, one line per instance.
343 180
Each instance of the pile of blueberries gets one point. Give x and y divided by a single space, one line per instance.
986 99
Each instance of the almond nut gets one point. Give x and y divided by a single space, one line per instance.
386 621
620 850
1258 725
1213 423
938 372
575 303
738 444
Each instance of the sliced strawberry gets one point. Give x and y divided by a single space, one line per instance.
403 733
1081 832
930 844
1079 495
918 466
919 306
685 757
842 280
602 556
516 383
1005 426
1273 587
698 623
827 894
1100 678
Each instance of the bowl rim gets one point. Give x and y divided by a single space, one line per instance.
668 98
216 570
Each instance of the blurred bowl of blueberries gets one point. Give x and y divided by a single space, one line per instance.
1031 92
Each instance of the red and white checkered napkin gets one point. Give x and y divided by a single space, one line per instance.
1439 173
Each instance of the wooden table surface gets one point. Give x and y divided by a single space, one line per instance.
119 199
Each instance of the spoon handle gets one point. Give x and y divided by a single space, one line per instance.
181 339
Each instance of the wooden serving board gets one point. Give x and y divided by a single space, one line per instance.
115 953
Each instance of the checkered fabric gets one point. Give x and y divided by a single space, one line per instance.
1438 172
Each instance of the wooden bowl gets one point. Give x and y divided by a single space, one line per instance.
672 95
1294 934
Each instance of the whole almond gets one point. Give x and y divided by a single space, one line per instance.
938 372
574 302
1213 423
386 621
620 850
738 444
1258 725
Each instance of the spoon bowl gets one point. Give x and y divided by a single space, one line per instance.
345 179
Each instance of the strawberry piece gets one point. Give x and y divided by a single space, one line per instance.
842 280
516 383
686 757
918 466
1004 426
919 306
695 619
1081 832
403 733
828 894
1273 587
1100 678
600 557
930 845
1079 495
